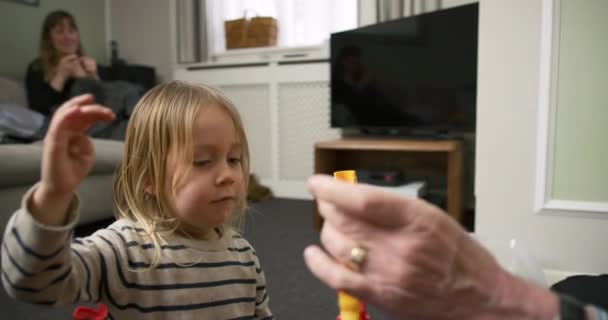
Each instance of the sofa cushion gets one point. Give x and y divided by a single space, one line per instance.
12 92
95 193
20 163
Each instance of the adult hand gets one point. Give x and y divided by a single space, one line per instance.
89 65
69 66
66 67
420 264
67 156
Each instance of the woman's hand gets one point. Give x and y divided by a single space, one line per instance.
420 263
67 67
90 66
67 157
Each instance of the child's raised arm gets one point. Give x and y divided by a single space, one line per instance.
38 264
67 158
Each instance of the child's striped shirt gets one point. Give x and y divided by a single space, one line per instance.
217 279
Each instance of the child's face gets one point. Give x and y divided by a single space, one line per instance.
207 195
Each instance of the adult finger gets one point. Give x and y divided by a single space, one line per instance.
334 274
72 57
337 244
69 60
360 201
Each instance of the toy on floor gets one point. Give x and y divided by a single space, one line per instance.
350 307
88 313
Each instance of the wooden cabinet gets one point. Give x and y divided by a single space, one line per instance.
433 158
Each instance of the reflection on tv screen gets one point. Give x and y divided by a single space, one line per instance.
418 72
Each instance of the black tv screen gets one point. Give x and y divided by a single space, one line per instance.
414 73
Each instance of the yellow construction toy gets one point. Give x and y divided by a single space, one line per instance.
350 307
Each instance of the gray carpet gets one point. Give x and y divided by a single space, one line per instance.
279 229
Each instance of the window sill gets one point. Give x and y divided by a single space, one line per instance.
266 55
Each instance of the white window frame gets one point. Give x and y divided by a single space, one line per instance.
366 14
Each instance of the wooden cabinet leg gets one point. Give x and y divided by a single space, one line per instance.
454 184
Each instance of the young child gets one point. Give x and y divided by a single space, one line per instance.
174 252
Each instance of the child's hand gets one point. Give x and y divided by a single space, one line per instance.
67 157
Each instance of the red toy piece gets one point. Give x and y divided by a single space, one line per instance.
87 313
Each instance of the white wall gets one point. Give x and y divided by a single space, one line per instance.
508 95
143 29
20 27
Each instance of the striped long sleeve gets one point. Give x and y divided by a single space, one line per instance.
218 279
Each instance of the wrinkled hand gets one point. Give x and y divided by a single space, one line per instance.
420 263
67 157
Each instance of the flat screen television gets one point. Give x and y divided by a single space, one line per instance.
414 74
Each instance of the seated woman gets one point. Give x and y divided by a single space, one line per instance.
63 71
50 77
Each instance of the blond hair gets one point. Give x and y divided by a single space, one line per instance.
161 125
48 54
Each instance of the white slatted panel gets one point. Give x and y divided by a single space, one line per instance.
252 101
303 120
285 108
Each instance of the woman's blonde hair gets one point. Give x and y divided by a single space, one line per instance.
48 55
162 125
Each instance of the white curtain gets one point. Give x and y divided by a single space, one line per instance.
301 22
200 23
393 9
186 31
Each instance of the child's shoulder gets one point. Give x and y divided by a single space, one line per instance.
237 241
122 230
233 235
127 226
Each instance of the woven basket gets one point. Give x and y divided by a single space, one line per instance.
248 33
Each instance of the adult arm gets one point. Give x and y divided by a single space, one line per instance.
420 263
41 96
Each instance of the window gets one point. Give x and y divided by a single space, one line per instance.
301 22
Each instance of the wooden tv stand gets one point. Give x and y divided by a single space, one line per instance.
419 157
